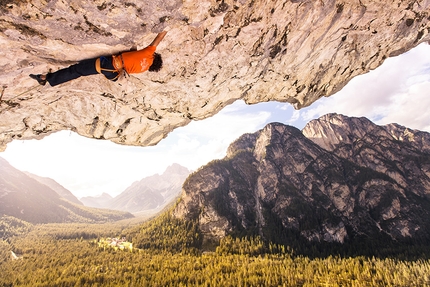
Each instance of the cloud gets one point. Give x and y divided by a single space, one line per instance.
283 107
294 117
410 108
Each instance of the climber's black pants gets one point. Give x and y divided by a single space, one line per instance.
83 68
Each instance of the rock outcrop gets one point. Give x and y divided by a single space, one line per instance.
340 178
215 53
393 150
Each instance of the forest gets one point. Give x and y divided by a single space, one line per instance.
170 252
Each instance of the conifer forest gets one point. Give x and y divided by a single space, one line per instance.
170 252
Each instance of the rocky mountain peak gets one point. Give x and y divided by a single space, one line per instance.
245 142
148 195
216 52
386 149
176 169
338 180
333 129
420 140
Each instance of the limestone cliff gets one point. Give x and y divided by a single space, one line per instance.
340 178
215 53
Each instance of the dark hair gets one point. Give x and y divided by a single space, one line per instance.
157 63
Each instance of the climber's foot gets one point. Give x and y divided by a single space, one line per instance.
41 79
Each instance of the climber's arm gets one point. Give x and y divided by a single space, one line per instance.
158 39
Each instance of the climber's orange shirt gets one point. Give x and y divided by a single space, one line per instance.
138 61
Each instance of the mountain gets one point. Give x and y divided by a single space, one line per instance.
153 192
150 193
137 198
100 201
339 180
25 198
55 186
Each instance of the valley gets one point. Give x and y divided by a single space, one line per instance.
342 202
284 208
168 257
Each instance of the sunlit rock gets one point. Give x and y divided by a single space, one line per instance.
215 53
280 180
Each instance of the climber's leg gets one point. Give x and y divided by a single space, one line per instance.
83 68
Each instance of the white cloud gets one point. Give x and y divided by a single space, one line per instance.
283 107
294 117
410 108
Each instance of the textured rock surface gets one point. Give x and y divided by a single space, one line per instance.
396 151
337 179
217 52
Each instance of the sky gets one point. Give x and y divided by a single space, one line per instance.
396 92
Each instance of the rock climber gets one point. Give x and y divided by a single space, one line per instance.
111 67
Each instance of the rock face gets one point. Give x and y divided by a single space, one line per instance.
215 53
338 179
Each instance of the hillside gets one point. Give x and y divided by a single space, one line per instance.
339 180
55 186
27 199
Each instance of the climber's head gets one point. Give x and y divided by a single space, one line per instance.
157 63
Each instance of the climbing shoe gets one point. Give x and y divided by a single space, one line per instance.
38 78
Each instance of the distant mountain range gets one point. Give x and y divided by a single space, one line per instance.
35 200
151 193
55 186
338 180
101 201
